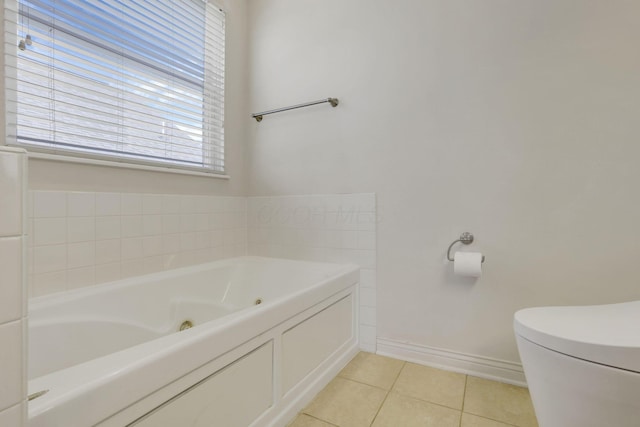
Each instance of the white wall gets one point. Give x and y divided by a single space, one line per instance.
515 120
53 175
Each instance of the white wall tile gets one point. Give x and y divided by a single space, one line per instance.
216 221
81 254
47 283
81 204
12 417
152 246
365 221
187 241
131 248
188 222
107 272
49 258
30 204
217 239
11 282
132 268
171 243
368 316
367 336
80 277
187 204
171 204
49 231
216 205
333 238
131 204
49 204
131 226
203 239
151 225
152 264
11 193
107 251
367 278
349 239
368 297
201 222
217 252
108 204
333 255
151 204
108 227
364 258
11 359
81 229
369 348
30 229
367 240
170 224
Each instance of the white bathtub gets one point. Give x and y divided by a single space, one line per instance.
111 355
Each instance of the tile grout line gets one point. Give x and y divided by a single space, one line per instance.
404 363
429 401
360 382
316 418
479 416
464 395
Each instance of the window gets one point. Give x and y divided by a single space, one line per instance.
138 81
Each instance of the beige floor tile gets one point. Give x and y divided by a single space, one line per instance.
405 411
304 420
347 403
430 384
469 420
372 369
503 402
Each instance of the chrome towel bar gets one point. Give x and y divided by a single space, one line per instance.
333 101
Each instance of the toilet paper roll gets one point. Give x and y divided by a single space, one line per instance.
468 264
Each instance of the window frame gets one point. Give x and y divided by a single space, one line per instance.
11 40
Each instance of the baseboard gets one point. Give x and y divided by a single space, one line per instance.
478 366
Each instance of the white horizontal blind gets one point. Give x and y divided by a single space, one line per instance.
141 81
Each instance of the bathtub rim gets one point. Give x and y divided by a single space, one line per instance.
44 301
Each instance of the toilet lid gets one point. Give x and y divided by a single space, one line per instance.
606 334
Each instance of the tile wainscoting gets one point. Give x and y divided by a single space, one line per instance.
84 238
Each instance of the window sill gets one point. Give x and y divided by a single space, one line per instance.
122 165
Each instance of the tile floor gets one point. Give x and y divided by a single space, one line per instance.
379 391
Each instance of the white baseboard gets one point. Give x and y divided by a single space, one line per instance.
478 366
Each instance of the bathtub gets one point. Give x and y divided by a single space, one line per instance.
259 338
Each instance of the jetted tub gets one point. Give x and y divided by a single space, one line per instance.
267 334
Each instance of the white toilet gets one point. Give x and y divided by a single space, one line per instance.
582 364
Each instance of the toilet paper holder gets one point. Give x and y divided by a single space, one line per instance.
465 238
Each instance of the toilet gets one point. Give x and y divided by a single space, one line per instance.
582 364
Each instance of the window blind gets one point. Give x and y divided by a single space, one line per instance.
137 81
